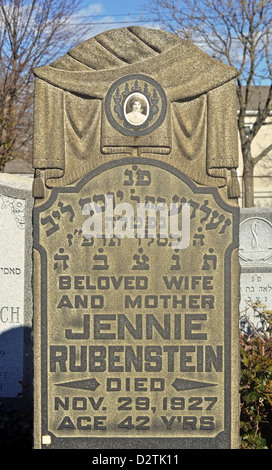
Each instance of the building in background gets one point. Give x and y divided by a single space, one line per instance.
263 169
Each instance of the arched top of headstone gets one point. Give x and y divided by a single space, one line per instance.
183 69
188 108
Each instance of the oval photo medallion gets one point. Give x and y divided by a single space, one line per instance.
136 105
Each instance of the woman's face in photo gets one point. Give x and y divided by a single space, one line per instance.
136 106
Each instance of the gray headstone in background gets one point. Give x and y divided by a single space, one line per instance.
16 290
255 255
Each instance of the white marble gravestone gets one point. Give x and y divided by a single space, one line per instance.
255 254
16 289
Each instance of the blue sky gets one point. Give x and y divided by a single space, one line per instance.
112 7
114 14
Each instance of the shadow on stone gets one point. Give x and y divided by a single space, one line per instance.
16 413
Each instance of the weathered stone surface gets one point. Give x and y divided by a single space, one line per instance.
16 290
79 115
136 241
255 256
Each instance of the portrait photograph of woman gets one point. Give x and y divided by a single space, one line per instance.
136 109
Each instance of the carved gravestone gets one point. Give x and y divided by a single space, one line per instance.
255 256
136 239
16 311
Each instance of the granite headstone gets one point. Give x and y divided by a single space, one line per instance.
136 273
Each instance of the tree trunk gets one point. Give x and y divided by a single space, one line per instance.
8 123
248 179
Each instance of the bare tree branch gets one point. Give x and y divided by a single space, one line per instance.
239 33
263 154
32 32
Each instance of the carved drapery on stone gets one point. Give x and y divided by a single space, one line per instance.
73 133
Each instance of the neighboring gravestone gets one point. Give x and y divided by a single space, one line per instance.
255 255
16 362
136 273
